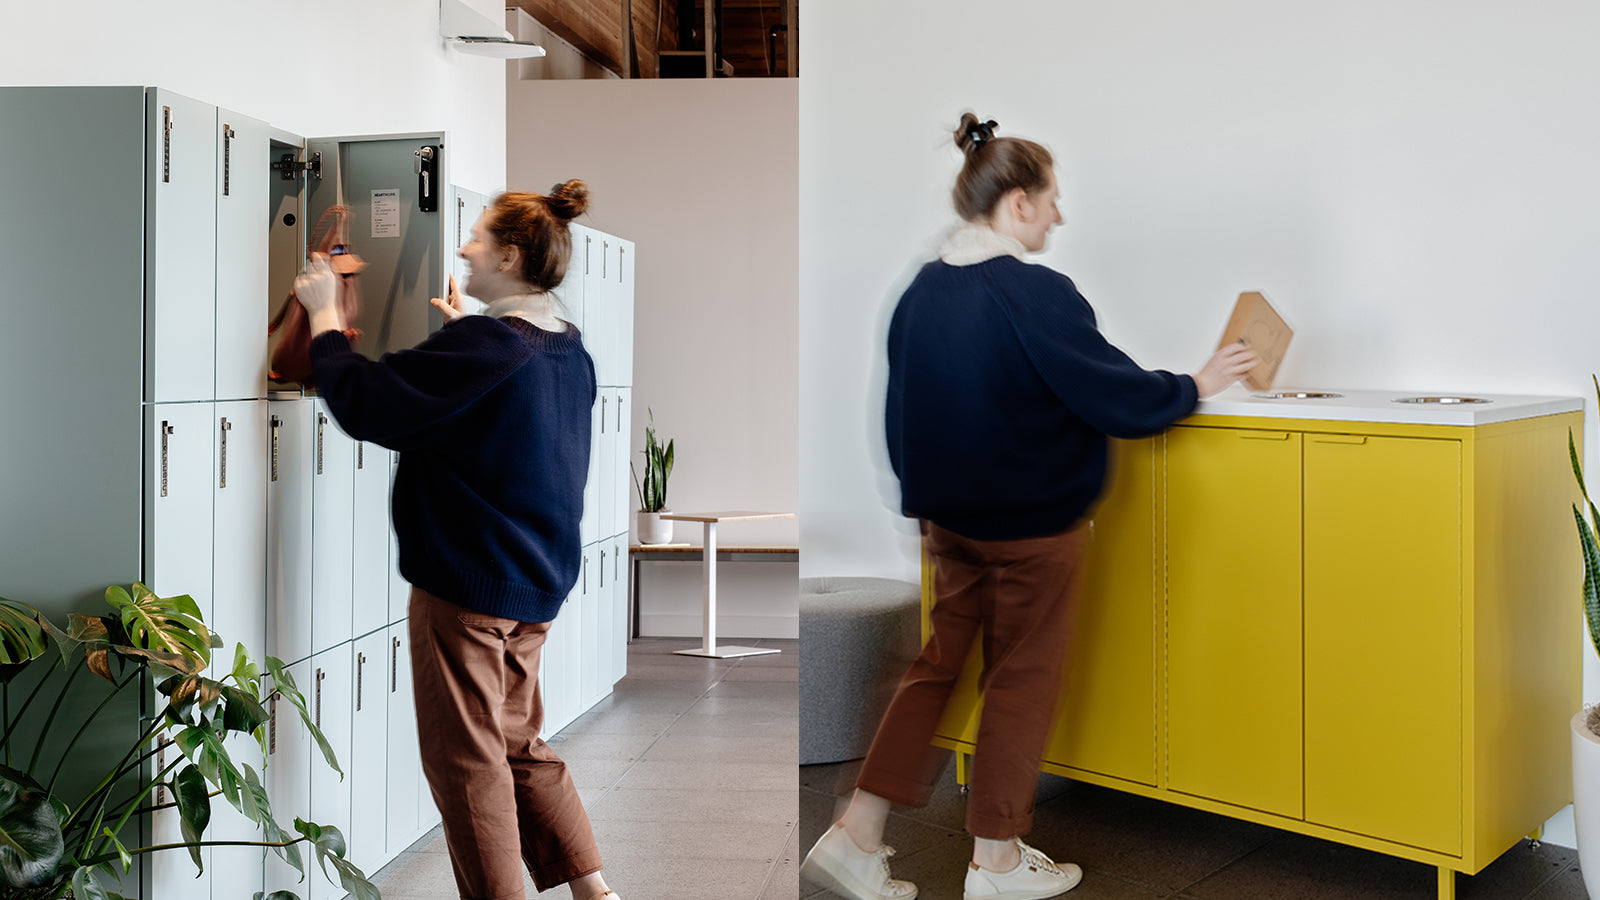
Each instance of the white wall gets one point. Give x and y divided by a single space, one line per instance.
312 68
1414 185
702 176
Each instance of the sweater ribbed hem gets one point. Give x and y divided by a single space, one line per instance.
484 594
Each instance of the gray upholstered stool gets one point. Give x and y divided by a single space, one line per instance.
857 636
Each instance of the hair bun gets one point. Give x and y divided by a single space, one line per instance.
973 133
569 199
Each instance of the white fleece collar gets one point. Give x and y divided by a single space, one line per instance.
969 244
535 308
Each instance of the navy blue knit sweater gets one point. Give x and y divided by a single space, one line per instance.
491 418
1001 394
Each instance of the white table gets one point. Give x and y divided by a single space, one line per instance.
710 520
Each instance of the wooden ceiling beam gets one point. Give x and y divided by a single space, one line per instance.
593 26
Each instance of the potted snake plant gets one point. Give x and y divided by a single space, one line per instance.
1586 723
652 492
58 841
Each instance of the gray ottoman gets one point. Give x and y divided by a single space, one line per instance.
857 637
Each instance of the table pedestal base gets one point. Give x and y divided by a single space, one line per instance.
726 651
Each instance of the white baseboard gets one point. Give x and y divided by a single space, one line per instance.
729 627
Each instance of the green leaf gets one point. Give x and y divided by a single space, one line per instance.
167 625
329 844
1591 576
245 672
206 748
21 634
193 699
283 683
87 887
194 809
276 895
122 852
31 845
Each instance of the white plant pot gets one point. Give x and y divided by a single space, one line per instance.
1586 799
655 530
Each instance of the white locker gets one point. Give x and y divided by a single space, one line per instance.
404 767
621 433
289 543
590 690
399 589
329 696
605 619
332 529
622 329
617 637
239 587
235 871
367 767
606 440
370 555
241 195
181 245
589 526
178 501
288 779
172 874
558 660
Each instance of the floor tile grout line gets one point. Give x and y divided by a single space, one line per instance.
777 861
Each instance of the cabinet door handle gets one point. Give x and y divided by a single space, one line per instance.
620 267
276 424
361 455
320 675
161 767
1340 439
272 725
603 399
585 588
394 666
602 568
322 422
166 144
227 157
166 432
616 564
1264 436
361 661
605 257
619 414
586 242
222 480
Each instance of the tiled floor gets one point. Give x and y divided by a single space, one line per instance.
1132 848
688 773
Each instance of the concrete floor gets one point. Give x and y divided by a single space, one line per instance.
688 773
1133 848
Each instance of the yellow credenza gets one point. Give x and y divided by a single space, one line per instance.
1363 630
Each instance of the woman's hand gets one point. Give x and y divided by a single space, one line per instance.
1226 366
317 287
452 306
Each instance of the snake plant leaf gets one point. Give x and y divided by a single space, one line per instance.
194 809
31 845
1577 472
283 683
86 887
22 637
1591 576
168 625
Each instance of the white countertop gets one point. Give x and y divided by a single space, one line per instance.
1381 406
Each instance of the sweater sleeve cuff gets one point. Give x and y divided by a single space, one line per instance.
329 343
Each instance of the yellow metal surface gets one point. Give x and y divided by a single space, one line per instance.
1383 638
1233 616
1106 718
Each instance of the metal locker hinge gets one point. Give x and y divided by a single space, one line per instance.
289 167
276 424
166 431
227 157
166 144
227 426
322 422
320 676
361 661
394 666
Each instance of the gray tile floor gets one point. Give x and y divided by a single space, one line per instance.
688 773
1133 848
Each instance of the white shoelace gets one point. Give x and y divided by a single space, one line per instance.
1038 860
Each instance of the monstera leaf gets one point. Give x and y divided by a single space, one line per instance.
169 626
31 845
21 637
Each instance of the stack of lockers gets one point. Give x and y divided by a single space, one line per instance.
139 245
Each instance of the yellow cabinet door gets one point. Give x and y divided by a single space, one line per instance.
1106 719
1233 674
1383 638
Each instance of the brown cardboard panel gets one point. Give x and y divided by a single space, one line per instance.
1258 326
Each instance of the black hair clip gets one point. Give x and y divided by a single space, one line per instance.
981 132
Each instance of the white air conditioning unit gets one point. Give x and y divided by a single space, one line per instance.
470 32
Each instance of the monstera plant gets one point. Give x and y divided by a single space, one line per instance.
55 844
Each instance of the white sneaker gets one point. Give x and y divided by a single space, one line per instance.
837 864
1036 877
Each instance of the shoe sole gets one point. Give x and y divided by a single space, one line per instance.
843 885
1025 895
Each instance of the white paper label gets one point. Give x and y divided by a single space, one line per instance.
386 213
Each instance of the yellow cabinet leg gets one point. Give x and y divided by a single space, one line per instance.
1447 883
963 771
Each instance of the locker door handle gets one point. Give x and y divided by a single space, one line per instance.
276 424
427 166
161 766
586 242
222 480
619 414
227 157
585 588
1353 439
616 564
361 455
603 400
166 432
394 666
620 266
605 257
166 144
602 568
1265 436
320 676
361 662
272 725
322 423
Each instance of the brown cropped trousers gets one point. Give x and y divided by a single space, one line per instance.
1021 596
506 799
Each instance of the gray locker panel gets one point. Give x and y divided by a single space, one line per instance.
286 237
403 271
72 250
181 243
243 193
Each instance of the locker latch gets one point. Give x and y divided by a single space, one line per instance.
290 167
427 167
